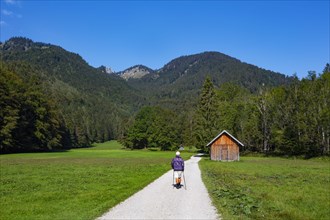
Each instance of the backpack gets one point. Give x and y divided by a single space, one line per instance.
177 164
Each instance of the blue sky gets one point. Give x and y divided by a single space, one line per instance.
284 36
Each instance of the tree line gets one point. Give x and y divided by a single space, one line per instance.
52 99
40 113
285 120
28 119
89 105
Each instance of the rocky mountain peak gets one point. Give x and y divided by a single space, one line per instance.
17 43
106 69
21 44
135 72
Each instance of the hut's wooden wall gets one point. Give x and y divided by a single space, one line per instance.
224 148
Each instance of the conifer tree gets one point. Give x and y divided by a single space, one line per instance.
206 116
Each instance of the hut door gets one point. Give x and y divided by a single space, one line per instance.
215 152
224 152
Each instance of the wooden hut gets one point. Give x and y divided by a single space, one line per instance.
224 147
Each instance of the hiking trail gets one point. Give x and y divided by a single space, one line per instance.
160 200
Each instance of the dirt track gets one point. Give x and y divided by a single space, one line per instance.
159 200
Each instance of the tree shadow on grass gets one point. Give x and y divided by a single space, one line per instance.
35 151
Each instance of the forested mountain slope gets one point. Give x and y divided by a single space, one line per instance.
182 78
92 104
86 104
69 68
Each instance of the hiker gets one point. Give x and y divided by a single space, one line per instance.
178 167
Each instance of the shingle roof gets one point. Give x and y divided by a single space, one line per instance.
221 133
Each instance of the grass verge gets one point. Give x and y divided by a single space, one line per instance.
269 188
77 184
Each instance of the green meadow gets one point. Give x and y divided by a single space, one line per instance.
269 188
85 183
76 184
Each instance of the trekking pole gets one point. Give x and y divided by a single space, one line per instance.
185 183
173 180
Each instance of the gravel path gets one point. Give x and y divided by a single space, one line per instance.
159 200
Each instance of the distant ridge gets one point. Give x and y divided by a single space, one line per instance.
182 77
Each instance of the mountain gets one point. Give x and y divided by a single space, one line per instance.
105 69
135 72
177 83
182 78
70 68
222 68
93 104
96 105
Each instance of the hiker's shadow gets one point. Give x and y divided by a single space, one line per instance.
177 186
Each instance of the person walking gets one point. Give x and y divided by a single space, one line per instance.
178 168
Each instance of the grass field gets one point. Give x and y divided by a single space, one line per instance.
77 184
269 188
